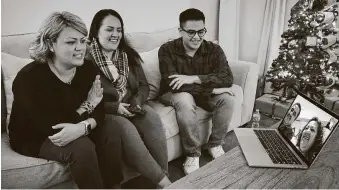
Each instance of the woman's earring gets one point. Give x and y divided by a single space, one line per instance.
52 50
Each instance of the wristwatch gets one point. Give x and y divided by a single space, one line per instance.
88 127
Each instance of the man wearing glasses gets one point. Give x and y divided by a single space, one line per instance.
292 114
195 72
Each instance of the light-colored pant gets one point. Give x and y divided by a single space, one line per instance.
186 105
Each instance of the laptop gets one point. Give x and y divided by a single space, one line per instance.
302 133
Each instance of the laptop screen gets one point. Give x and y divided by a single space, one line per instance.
307 126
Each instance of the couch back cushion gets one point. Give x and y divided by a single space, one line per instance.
17 45
152 71
10 66
144 42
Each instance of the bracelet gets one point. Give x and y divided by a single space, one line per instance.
88 127
87 106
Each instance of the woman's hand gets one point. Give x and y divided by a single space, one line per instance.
95 94
122 110
69 132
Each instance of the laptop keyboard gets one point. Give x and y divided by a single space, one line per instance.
276 148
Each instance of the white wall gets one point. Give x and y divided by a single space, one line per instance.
139 16
25 16
251 22
210 8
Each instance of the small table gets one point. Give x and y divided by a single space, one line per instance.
231 171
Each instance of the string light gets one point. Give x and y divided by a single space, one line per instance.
302 64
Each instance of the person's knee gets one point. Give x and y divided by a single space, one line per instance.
152 116
82 151
184 101
225 99
122 125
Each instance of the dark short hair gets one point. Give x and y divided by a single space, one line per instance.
191 14
298 104
132 55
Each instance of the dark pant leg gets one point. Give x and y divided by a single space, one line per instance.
81 157
223 106
134 150
185 109
152 133
108 147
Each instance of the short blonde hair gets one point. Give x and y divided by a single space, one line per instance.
49 31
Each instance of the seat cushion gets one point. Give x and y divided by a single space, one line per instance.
18 171
168 118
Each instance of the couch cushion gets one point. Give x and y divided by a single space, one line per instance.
152 71
10 65
17 45
168 118
143 41
18 171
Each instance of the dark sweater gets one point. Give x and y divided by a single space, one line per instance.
42 100
209 63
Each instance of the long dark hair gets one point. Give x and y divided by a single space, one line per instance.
133 56
314 150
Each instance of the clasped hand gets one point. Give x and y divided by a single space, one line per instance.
179 80
218 91
69 132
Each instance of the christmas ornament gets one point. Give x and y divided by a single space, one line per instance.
308 57
311 41
328 41
332 57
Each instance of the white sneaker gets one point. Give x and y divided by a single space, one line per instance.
191 164
217 151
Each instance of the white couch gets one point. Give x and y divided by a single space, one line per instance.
19 171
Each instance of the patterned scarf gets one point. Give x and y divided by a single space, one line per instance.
119 60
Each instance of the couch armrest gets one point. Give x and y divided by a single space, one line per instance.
245 74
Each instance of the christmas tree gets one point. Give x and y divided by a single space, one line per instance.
308 54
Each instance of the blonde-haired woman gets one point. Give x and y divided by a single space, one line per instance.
57 110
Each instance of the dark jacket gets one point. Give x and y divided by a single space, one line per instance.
137 89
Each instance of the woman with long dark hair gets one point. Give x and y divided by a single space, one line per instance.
121 71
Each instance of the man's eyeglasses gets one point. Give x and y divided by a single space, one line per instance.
191 33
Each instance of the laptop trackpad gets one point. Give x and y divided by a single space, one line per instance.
252 148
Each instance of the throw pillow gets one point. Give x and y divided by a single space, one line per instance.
152 71
10 65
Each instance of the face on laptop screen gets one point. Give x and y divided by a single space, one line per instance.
307 127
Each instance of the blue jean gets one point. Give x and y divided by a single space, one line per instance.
186 106
152 133
144 144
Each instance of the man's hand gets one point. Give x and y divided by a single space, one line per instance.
179 80
69 132
222 90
